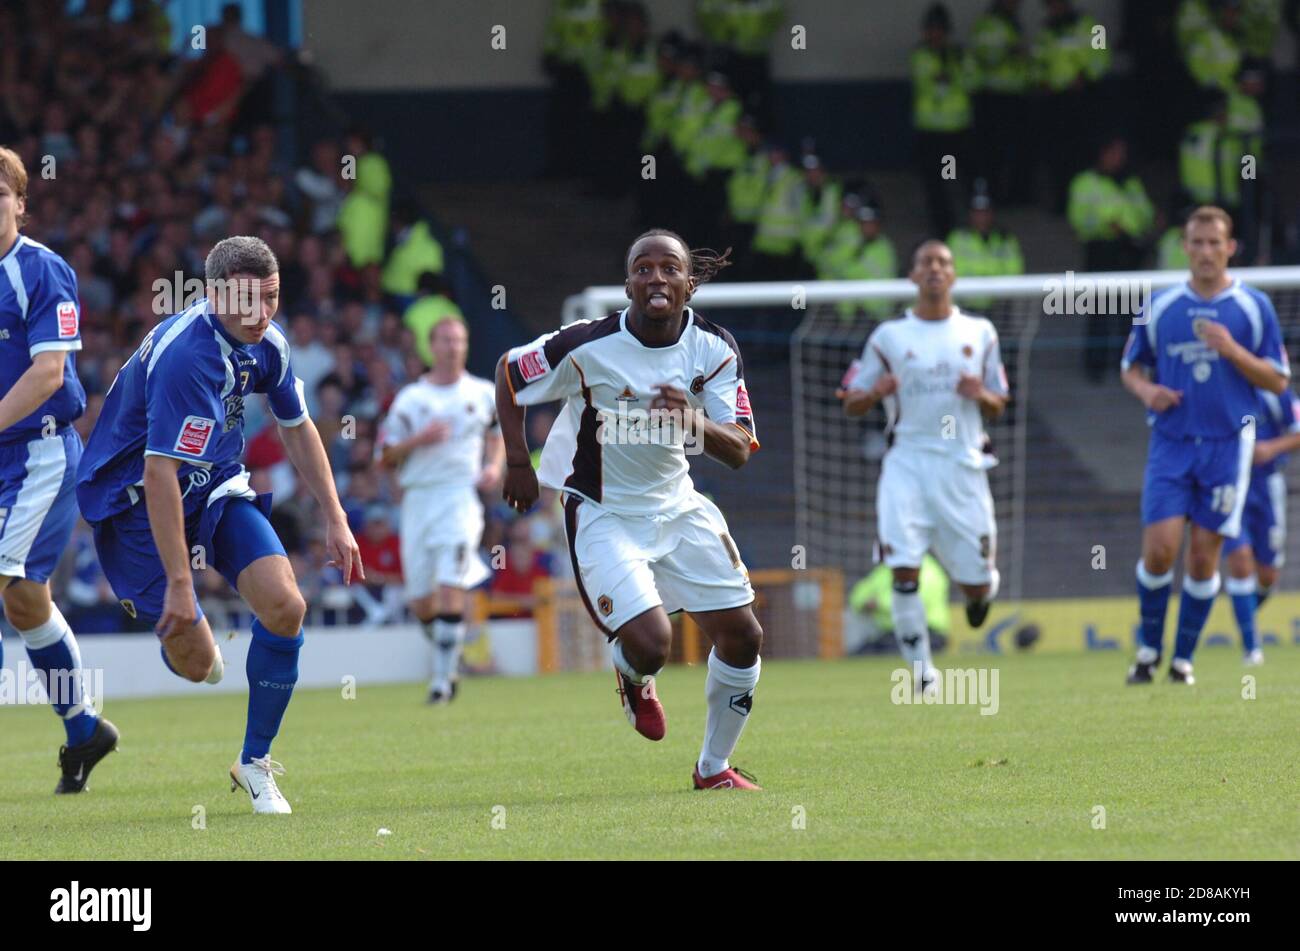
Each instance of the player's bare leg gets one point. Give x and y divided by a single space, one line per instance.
1242 588
1200 587
191 652
640 652
1155 575
734 666
269 587
54 653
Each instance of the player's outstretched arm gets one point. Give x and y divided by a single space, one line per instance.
162 498
38 383
303 446
521 489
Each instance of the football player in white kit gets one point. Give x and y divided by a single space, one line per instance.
642 387
442 437
939 373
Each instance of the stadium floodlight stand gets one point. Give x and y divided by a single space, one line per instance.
834 479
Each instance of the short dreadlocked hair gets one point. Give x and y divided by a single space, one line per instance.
703 264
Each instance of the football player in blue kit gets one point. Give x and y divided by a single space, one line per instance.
1195 359
1255 556
161 484
40 396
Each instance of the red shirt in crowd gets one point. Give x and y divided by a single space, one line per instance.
384 555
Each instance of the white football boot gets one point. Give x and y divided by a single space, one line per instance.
258 780
1254 658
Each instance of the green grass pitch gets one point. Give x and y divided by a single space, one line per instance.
548 768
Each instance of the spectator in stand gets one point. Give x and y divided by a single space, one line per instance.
320 186
380 548
524 565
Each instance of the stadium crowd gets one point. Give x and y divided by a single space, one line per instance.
141 159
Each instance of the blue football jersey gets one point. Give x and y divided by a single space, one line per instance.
181 394
1216 397
1280 416
40 310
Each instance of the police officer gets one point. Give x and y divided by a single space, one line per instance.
942 77
1069 62
877 260
984 250
1001 58
574 33
780 222
746 191
1111 216
743 29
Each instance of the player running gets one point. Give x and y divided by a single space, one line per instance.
162 486
435 437
641 386
1195 360
939 373
1260 549
39 335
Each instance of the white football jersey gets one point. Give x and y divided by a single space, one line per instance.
468 405
606 445
928 357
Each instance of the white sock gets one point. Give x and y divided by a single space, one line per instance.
909 628
729 692
218 670
626 668
448 637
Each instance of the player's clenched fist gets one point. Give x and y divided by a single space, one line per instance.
859 401
1217 336
970 386
1160 398
520 490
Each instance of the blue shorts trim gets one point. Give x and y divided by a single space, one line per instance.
38 503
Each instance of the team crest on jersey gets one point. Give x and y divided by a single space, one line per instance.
196 431
627 396
742 400
697 385
533 365
605 604
67 313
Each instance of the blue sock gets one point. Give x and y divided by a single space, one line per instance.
272 671
1153 605
1198 598
54 653
1242 591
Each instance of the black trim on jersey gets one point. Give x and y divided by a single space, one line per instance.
564 342
587 476
571 503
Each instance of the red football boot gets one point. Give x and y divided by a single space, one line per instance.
642 707
729 778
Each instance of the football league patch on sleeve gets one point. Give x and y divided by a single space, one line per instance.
67 313
195 433
533 365
742 400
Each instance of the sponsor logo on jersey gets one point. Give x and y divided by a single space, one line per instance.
533 365
67 312
627 396
195 433
742 400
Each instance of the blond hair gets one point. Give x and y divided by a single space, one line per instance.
14 174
